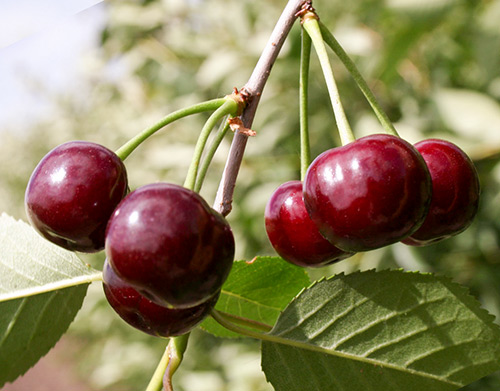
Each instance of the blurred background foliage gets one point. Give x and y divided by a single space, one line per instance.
433 64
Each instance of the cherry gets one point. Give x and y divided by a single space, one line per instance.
170 245
151 318
455 192
368 194
73 192
293 234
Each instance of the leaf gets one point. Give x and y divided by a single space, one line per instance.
41 289
30 327
259 291
385 331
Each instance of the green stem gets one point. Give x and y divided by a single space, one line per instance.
169 362
230 107
244 321
125 150
156 382
305 150
311 25
210 155
176 348
358 78
219 318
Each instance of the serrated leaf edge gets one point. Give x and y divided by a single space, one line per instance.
442 278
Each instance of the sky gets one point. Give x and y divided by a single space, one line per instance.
41 42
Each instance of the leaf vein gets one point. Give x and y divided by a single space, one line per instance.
378 321
36 261
232 294
437 350
403 337
12 322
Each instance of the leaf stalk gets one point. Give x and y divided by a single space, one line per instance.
245 321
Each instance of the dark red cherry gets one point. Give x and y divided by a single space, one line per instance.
368 194
144 315
455 192
293 234
170 245
73 192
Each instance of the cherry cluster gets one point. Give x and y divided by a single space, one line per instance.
167 251
370 193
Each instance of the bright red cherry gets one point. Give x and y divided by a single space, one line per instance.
73 192
170 245
455 192
368 194
144 315
293 234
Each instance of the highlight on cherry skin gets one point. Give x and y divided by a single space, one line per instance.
369 193
293 234
455 192
170 245
151 318
72 193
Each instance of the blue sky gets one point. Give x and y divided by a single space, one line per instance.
41 42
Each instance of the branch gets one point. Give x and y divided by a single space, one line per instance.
254 87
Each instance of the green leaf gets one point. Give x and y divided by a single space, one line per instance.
41 289
258 290
384 331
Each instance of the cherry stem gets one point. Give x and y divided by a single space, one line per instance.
358 78
156 382
169 362
125 150
210 155
244 321
230 107
311 25
175 350
305 56
254 88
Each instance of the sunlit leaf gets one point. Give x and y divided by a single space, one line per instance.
259 291
41 289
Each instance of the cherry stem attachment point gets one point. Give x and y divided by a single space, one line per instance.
311 25
124 151
358 78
